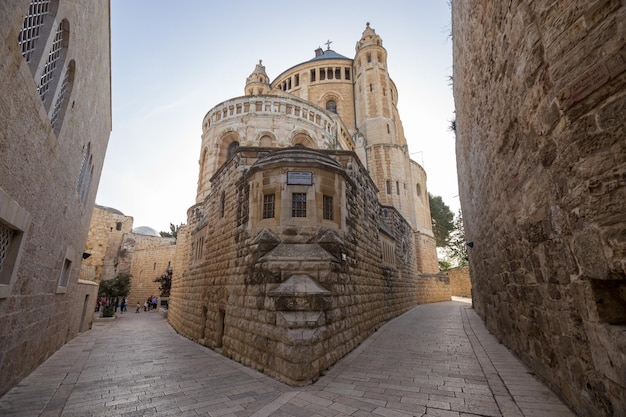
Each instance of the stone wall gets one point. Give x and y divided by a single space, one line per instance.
50 165
290 296
460 283
540 102
145 258
106 231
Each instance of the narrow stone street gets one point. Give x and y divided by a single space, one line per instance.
435 360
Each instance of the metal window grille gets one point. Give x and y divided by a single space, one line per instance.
269 203
298 205
54 56
6 235
33 22
328 207
83 168
61 98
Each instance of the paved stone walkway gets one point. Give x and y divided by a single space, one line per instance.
436 360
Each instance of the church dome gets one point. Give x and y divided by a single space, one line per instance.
146 231
327 54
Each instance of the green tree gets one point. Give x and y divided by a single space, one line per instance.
456 250
116 287
443 220
111 289
166 282
173 231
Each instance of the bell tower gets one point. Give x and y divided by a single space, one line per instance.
258 82
377 119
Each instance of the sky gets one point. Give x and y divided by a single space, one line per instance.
174 61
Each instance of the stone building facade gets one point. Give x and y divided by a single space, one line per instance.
460 282
115 247
55 108
540 92
104 240
145 258
311 226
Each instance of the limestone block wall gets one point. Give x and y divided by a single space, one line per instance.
106 231
540 92
145 258
291 300
433 288
460 283
44 216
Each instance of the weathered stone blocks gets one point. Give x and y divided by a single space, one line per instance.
541 158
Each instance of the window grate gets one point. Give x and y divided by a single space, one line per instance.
328 207
269 202
53 58
58 105
33 22
6 236
298 205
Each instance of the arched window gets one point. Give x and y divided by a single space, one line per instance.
231 149
265 141
60 103
39 12
331 105
304 140
49 78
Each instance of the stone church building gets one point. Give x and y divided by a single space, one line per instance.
312 225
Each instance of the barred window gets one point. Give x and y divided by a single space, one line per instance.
6 236
14 221
54 56
328 207
298 205
31 29
269 203
60 104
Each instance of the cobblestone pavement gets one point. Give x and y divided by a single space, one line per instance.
436 360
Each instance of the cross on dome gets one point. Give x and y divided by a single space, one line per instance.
328 42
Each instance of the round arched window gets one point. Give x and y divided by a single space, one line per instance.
231 149
331 105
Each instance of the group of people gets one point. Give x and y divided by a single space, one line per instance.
116 303
149 304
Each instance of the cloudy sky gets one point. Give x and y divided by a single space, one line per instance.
173 61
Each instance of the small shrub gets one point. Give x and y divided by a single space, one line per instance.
108 311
